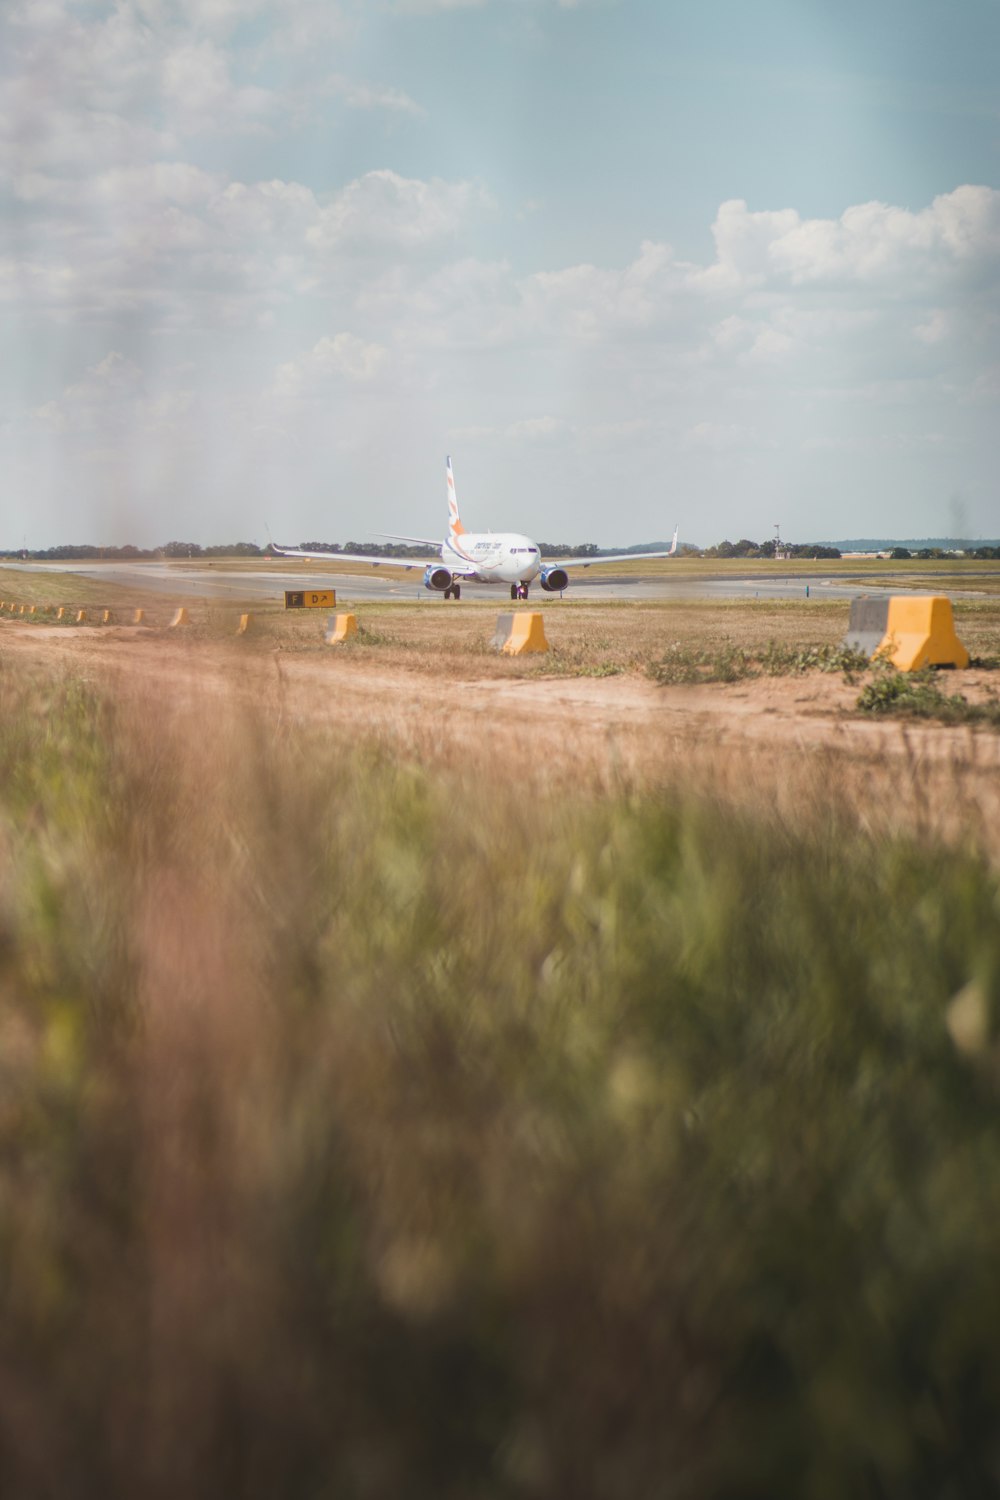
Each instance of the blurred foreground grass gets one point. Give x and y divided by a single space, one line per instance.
368 1131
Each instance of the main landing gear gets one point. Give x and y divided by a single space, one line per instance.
455 592
519 591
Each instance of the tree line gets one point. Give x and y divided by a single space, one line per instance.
744 548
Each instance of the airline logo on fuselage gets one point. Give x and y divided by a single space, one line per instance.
510 557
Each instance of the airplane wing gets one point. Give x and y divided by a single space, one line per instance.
632 557
418 541
332 558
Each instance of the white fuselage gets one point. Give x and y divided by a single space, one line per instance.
497 557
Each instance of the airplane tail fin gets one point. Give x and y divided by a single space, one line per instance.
673 544
455 527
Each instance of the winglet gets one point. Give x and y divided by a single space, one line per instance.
673 544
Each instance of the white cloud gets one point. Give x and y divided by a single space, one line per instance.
183 243
125 81
383 208
199 94
357 95
103 387
870 242
259 214
187 246
538 429
341 358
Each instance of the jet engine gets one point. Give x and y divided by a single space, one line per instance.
554 580
437 578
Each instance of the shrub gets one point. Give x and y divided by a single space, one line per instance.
919 695
731 663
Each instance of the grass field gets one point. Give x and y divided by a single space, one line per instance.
587 638
369 1128
383 1116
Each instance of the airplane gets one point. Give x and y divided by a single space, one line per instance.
479 556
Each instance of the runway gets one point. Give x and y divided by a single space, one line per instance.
218 581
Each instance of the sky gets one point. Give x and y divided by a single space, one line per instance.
632 263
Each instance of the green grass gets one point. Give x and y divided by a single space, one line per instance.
726 661
920 695
49 588
367 1131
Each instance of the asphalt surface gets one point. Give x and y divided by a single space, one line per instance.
217 581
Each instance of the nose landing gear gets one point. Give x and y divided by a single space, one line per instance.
519 591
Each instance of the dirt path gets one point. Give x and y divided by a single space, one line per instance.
785 742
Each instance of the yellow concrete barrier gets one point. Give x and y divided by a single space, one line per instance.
138 615
244 624
107 618
910 630
920 632
61 612
518 633
340 628
81 616
180 618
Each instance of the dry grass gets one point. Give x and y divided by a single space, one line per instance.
424 680
588 639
